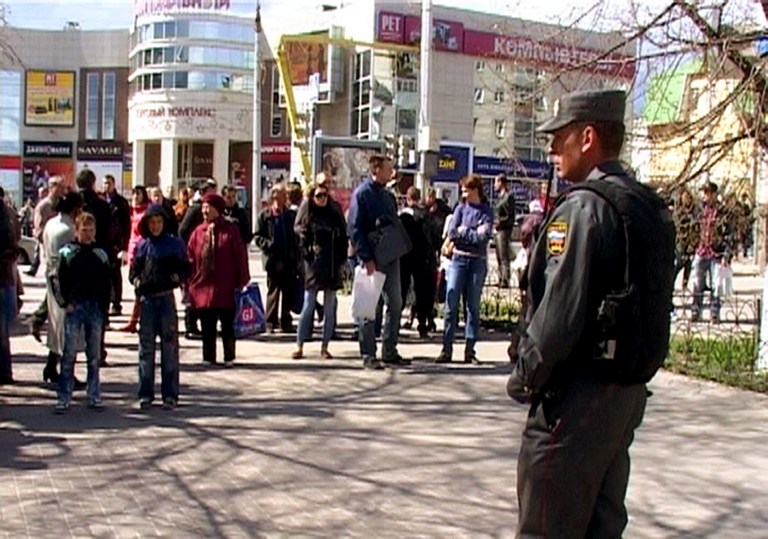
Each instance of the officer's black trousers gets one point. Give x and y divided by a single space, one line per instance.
573 468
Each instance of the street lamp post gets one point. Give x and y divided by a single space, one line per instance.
424 141
256 146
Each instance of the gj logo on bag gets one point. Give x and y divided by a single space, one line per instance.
249 314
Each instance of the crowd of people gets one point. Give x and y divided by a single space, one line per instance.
198 240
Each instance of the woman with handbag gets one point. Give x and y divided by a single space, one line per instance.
219 267
470 231
323 242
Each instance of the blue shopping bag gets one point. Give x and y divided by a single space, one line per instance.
249 312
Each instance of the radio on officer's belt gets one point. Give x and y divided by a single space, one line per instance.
614 314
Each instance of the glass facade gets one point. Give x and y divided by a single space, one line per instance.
92 106
195 29
193 54
108 108
10 112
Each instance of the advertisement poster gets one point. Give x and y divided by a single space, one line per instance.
305 59
50 98
347 162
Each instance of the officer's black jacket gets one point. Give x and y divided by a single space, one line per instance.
567 288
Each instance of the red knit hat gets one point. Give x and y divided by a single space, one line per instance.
212 199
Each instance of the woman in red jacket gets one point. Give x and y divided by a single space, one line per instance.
219 268
139 205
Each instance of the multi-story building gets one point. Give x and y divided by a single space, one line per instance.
191 102
62 106
493 80
692 126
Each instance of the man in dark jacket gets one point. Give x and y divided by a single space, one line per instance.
504 222
421 263
279 247
159 266
120 234
235 214
372 208
98 207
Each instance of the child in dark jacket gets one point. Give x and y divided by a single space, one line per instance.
159 266
82 286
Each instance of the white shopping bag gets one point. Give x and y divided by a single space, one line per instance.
366 291
724 280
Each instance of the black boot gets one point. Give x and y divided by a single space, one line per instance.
51 370
469 352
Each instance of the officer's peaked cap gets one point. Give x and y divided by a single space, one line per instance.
598 106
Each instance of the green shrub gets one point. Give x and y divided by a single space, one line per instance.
725 359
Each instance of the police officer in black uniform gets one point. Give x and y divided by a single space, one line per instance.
573 466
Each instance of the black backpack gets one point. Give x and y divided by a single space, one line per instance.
633 324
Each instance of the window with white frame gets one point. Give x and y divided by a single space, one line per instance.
108 108
360 122
498 96
480 65
92 106
500 128
479 95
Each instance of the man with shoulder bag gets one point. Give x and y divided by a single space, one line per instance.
380 240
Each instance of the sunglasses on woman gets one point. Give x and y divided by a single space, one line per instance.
321 194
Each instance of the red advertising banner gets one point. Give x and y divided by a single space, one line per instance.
391 27
446 35
547 53
397 28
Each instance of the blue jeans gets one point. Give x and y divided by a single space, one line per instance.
7 314
158 318
391 330
465 273
704 270
86 316
308 315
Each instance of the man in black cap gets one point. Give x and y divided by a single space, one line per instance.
600 290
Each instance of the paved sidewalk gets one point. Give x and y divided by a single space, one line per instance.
312 448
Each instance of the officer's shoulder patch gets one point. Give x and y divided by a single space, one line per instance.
557 232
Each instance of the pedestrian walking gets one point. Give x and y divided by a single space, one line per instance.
601 278
81 286
219 267
470 231
687 227
160 265
710 247
323 241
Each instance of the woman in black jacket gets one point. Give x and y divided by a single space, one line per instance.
323 240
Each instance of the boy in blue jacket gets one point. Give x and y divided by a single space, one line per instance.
159 266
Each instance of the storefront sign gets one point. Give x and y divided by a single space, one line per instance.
272 149
453 163
154 7
50 98
391 27
99 151
48 149
176 112
517 168
547 54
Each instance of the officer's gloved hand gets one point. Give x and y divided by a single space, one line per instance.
517 390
